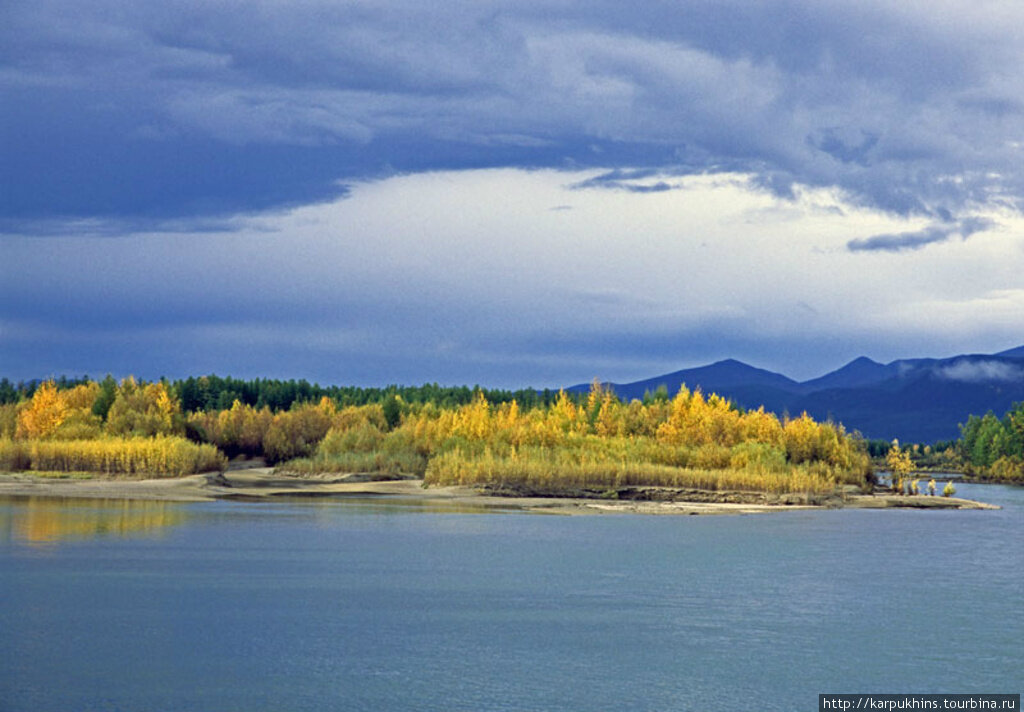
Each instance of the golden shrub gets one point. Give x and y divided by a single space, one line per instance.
161 456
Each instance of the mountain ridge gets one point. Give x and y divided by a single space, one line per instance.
917 400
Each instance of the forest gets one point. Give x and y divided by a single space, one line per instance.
209 393
526 440
993 448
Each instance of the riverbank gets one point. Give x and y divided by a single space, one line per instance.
263 483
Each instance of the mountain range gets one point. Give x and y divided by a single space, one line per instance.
915 400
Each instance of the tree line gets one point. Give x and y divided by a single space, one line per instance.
286 419
989 448
569 440
212 392
127 428
993 448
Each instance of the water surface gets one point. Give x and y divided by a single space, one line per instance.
380 605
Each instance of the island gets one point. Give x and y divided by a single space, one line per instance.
584 453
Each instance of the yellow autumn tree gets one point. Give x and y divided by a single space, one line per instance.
65 415
594 400
239 430
80 422
694 421
900 465
565 416
725 421
509 415
762 427
41 416
641 420
297 432
144 409
610 418
673 430
474 419
508 423
82 396
8 420
800 436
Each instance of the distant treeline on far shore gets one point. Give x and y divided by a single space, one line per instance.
207 393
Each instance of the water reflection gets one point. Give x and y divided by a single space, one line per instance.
49 520
395 504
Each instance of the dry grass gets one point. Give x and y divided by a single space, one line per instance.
161 456
361 462
545 470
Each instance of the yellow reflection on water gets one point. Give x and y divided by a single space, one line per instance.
48 520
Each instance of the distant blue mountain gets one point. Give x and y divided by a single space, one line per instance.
915 400
721 377
861 371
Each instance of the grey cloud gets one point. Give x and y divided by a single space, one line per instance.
916 240
848 149
993 105
659 187
886 103
901 241
120 227
627 180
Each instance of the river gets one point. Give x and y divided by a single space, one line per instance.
378 604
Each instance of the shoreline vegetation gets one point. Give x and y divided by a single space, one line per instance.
994 447
591 447
990 450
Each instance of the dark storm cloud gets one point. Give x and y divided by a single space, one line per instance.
176 131
116 108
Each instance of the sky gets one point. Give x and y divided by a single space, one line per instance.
508 193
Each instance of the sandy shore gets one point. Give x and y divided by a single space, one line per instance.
262 483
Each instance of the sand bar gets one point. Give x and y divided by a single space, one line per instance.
261 483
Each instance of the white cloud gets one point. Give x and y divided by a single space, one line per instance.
981 371
419 262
